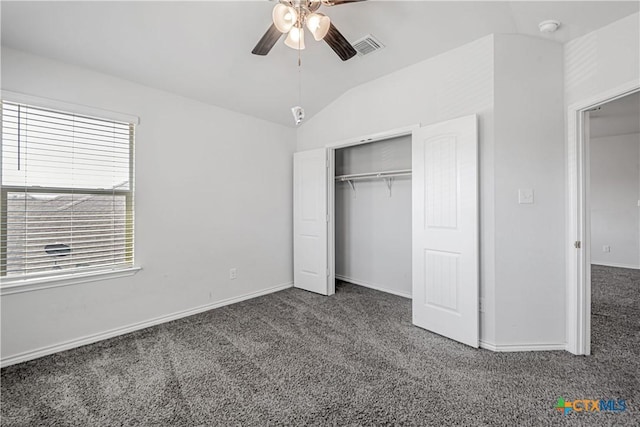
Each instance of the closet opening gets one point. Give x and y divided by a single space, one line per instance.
397 212
371 203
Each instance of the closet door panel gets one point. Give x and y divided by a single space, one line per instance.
310 221
445 229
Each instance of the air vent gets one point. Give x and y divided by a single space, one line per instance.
366 45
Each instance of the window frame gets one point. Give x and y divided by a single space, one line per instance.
48 279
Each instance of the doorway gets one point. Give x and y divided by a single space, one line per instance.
373 215
613 146
337 188
579 248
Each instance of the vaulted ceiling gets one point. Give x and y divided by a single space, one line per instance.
202 50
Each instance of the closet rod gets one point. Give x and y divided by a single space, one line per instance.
370 175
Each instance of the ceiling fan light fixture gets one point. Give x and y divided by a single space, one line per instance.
295 39
284 17
318 24
293 17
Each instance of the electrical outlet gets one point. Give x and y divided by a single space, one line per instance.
233 273
606 248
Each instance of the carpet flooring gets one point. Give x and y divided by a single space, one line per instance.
296 358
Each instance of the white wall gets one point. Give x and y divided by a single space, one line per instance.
213 191
615 192
456 83
373 229
602 60
599 62
529 154
514 84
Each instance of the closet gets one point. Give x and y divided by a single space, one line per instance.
395 213
373 215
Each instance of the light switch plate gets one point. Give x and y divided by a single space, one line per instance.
525 196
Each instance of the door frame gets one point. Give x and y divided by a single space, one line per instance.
331 197
578 304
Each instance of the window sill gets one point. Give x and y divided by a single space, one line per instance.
16 286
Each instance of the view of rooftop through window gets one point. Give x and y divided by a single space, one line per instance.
66 191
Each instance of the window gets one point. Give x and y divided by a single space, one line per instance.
66 193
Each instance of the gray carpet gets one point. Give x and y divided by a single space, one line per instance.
295 358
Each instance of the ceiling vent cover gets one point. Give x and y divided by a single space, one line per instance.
366 45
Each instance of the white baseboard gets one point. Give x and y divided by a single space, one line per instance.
90 339
370 286
521 347
613 264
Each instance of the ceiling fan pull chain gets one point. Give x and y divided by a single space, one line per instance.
298 111
299 79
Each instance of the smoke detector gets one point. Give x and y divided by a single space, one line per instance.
548 26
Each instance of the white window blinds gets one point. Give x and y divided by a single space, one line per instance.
67 192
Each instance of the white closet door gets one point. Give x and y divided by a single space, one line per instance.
310 221
445 229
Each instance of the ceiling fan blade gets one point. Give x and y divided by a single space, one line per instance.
267 41
338 2
339 44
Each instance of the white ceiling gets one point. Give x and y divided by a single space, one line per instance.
202 50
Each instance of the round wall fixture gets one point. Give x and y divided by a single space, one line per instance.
548 26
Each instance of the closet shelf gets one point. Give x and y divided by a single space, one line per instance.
388 177
374 175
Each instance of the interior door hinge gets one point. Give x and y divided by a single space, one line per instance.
577 244
328 218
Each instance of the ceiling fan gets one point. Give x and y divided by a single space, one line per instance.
291 16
